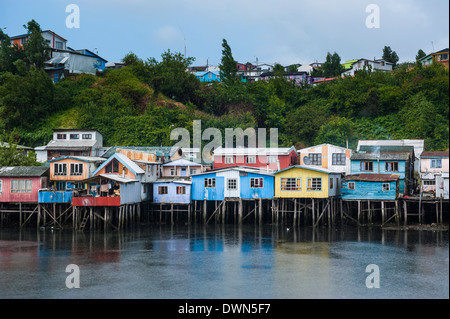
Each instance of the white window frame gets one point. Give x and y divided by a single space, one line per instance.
21 185
229 159
314 184
76 169
1 186
351 185
60 169
250 159
386 187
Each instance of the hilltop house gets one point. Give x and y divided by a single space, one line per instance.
67 142
353 66
440 56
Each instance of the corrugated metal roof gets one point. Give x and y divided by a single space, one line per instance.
181 162
381 156
23 171
386 148
81 158
158 150
312 168
434 154
372 177
70 144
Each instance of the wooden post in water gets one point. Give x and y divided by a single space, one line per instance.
204 212
382 213
240 208
313 213
260 212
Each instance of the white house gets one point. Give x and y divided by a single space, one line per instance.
374 65
333 158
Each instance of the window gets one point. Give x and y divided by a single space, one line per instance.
351 185
256 182
436 163
229 159
173 171
21 186
271 159
291 184
315 158
210 182
391 166
386 187
193 171
76 169
314 184
1 187
232 184
430 182
331 183
338 159
250 160
74 136
162 190
61 136
112 167
366 166
444 56
382 63
59 45
59 169
23 40
86 136
181 190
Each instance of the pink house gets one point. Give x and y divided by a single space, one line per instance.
21 184
432 165
265 158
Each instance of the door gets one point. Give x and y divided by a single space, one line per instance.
232 187
183 171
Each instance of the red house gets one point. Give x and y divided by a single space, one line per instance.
265 158
21 184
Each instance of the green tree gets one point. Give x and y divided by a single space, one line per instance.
420 54
36 49
11 155
390 56
332 65
228 64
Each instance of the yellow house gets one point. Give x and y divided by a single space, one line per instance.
306 182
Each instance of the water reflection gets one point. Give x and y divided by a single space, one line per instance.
224 262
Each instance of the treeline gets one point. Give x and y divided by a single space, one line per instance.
141 103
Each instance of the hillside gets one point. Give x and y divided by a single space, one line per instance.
140 104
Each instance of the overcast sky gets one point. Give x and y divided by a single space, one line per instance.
282 31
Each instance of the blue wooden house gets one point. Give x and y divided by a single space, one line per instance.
370 186
172 191
208 76
233 182
386 162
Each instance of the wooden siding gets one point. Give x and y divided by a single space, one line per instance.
96 201
304 174
55 196
32 197
265 192
199 192
369 190
171 196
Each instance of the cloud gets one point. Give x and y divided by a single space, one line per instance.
168 35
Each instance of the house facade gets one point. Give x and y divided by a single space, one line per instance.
396 163
117 181
181 167
68 142
331 157
233 182
306 182
370 186
432 166
172 191
68 171
21 184
264 158
366 64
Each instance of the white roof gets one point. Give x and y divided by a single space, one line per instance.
181 162
254 151
130 163
119 178
418 144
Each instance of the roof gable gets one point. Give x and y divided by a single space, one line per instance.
23 171
133 167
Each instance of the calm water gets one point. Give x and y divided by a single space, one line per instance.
230 262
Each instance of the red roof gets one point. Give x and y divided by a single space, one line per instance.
435 154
